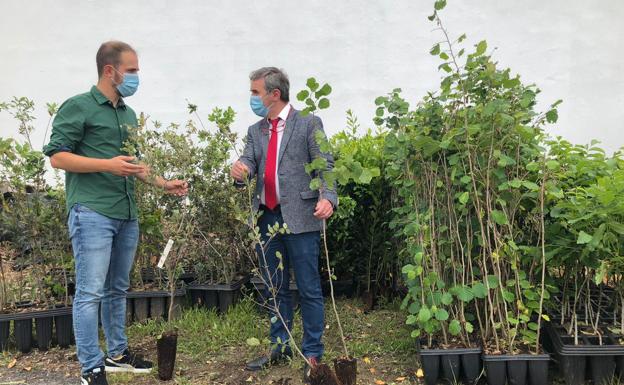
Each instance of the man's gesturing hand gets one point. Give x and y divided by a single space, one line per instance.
324 209
121 166
239 171
176 187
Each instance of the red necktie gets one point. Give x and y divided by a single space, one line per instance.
270 195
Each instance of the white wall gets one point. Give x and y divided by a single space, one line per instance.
203 51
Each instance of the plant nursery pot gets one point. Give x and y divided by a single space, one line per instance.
451 364
346 370
495 372
177 307
471 367
450 368
431 368
157 307
43 330
166 347
602 369
517 372
64 330
23 334
516 369
5 328
221 296
588 358
129 310
323 375
141 309
619 364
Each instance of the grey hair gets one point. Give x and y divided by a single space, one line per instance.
274 78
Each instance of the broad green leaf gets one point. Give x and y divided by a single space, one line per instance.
446 299
479 290
493 281
454 327
481 47
463 198
252 341
499 217
424 314
312 84
441 315
323 103
439 5
583 238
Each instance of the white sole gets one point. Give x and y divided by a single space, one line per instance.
121 369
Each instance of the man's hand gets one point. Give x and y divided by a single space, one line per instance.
239 171
324 209
121 166
176 187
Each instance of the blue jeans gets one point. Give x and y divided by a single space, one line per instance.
104 252
301 251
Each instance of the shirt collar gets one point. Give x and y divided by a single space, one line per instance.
101 99
283 115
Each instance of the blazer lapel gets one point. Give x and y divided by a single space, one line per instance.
288 131
264 138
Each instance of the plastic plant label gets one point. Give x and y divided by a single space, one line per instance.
165 253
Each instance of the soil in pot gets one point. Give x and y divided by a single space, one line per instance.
323 375
166 346
346 370
43 330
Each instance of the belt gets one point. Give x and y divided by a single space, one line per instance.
277 209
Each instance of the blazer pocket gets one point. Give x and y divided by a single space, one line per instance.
310 194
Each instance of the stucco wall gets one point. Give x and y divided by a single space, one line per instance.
203 51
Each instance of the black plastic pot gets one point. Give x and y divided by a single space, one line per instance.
157 307
450 365
43 330
141 309
166 347
221 296
5 327
261 294
177 306
129 310
146 304
516 369
23 334
64 330
588 359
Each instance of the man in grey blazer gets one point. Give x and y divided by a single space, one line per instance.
277 149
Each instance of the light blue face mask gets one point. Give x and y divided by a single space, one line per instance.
257 106
129 84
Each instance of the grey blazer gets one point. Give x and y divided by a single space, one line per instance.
298 147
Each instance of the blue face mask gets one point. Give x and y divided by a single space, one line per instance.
257 106
129 84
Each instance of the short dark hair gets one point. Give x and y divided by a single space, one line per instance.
274 78
110 53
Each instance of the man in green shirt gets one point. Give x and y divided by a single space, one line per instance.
87 136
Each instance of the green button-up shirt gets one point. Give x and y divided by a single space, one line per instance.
89 125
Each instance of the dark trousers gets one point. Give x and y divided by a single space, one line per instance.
301 251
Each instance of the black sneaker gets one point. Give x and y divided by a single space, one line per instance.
96 376
128 362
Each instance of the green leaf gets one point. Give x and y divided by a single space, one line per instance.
252 341
508 296
466 179
366 176
463 198
435 50
323 103
446 299
441 315
302 95
469 328
499 217
424 314
454 327
481 48
493 281
324 91
464 293
583 238
439 5
552 116
479 290
312 84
